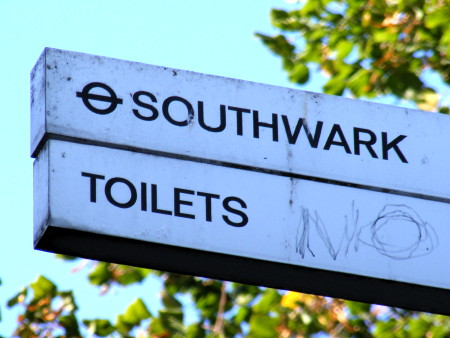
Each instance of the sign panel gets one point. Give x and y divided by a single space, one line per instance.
158 110
253 227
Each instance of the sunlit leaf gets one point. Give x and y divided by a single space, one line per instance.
43 287
439 17
99 327
134 314
299 73
344 48
262 326
269 301
357 308
195 331
101 274
17 298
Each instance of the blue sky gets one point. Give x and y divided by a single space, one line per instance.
207 36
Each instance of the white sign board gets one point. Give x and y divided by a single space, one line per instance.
158 110
236 224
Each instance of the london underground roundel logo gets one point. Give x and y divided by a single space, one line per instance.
87 96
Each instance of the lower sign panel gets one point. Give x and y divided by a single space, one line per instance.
251 227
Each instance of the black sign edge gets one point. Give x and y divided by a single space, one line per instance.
244 270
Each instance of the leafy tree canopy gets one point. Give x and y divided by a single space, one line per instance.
367 48
223 309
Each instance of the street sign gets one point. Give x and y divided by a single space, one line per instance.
238 124
253 227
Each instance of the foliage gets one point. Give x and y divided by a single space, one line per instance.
223 309
46 311
367 48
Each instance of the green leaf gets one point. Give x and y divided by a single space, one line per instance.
269 301
299 73
439 17
101 274
357 308
400 81
262 326
445 39
277 44
444 110
68 300
359 83
334 86
157 328
418 327
133 316
195 331
317 35
278 15
343 48
129 275
43 287
383 36
99 327
16 299
66 257
172 321
311 7
170 301
207 299
243 314
384 329
70 325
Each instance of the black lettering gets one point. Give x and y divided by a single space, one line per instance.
143 196
386 146
177 202
93 184
227 207
257 124
239 112
368 143
137 100
155 202
110 198
166 113
208 204
201 119
342 143
292 137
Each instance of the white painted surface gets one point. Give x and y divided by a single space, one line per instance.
425 147
289 220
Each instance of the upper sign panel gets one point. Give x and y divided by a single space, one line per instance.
238 123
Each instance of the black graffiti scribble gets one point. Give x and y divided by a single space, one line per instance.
302 236
308 221
386 233
391 217
351 225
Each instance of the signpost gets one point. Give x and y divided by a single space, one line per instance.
168 169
